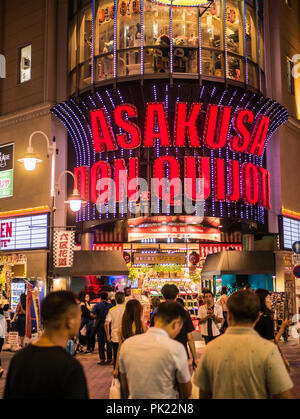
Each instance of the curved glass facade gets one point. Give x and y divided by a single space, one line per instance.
121 40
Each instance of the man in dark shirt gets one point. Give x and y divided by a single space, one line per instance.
44 370
185 336
100 311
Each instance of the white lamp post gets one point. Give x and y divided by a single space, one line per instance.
30 160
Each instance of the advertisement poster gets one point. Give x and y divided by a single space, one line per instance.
6 170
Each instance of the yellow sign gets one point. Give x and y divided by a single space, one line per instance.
159 258
191 3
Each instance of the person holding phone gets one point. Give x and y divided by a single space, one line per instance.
210 317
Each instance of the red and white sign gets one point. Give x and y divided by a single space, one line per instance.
208 249
63 248
176 231
109 246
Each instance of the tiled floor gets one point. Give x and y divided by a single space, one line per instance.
99 377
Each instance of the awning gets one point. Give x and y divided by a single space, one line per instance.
102 263
239 263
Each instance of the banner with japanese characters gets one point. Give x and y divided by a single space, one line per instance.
64 248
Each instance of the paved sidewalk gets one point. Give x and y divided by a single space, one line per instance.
99 377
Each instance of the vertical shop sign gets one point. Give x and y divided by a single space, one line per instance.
28 310
64 249
36 304
6 170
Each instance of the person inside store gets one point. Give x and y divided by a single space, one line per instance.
2 336
44 369
100 310
87 321
170 293
127 292
153 365
132 325
210 315
113 323
240 364
20 316
223 303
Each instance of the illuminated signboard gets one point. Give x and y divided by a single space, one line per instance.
291 231
23 233
184 133
6 170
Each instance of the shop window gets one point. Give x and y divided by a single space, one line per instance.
212 26
235 40
129 38
85 46
262 44
213 40
104 40
72 45
251 34
290 78
156 37
185 39
25 64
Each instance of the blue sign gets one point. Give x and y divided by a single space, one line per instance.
296 271
296 247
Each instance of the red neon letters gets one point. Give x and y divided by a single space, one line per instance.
194 127
250 139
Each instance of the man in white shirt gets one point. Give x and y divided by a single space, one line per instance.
153 365
210 317
114 319
240 364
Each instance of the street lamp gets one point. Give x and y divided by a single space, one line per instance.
75 201
30 161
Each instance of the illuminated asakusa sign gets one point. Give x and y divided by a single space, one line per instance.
183 132
250 138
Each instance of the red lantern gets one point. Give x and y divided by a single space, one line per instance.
123 8
111 12
126 257
213 9
148 6
135 7
232 16
101 16
194 258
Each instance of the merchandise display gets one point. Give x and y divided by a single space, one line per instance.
188 291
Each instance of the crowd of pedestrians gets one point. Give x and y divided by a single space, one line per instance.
242 358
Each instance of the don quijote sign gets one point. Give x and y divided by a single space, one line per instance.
105 181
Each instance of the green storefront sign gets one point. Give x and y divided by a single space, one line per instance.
6 171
